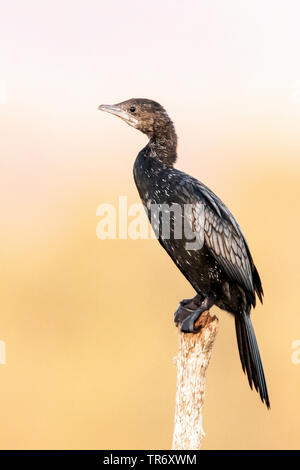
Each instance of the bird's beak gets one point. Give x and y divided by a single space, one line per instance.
118 111
111 108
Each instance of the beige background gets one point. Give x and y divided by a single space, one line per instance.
88 324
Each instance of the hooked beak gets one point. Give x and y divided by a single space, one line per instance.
117 111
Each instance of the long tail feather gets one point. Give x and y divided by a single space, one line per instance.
249 355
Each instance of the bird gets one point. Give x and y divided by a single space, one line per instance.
204 241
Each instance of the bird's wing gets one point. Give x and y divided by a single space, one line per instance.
215 226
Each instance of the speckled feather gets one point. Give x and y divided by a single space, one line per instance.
221 270
224 240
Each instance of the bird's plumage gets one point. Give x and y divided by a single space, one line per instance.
217 261
223 262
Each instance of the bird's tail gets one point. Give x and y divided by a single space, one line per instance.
249 355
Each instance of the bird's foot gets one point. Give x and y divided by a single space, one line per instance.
189 311
186 308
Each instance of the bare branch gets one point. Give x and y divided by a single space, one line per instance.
192 363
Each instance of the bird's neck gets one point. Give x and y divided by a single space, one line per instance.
163 144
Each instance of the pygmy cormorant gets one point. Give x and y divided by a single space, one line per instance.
218 265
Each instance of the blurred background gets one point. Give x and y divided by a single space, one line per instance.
88 324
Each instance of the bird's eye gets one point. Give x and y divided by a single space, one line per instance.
132 109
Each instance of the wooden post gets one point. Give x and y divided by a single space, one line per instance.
192 363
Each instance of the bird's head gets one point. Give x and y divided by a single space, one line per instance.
145 115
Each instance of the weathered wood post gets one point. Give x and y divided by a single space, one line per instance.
192 362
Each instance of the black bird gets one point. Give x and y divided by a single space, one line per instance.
217 262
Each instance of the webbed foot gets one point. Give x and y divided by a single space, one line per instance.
189 311
186 307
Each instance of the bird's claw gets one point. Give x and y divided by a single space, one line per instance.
189 310
182 312
188 324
